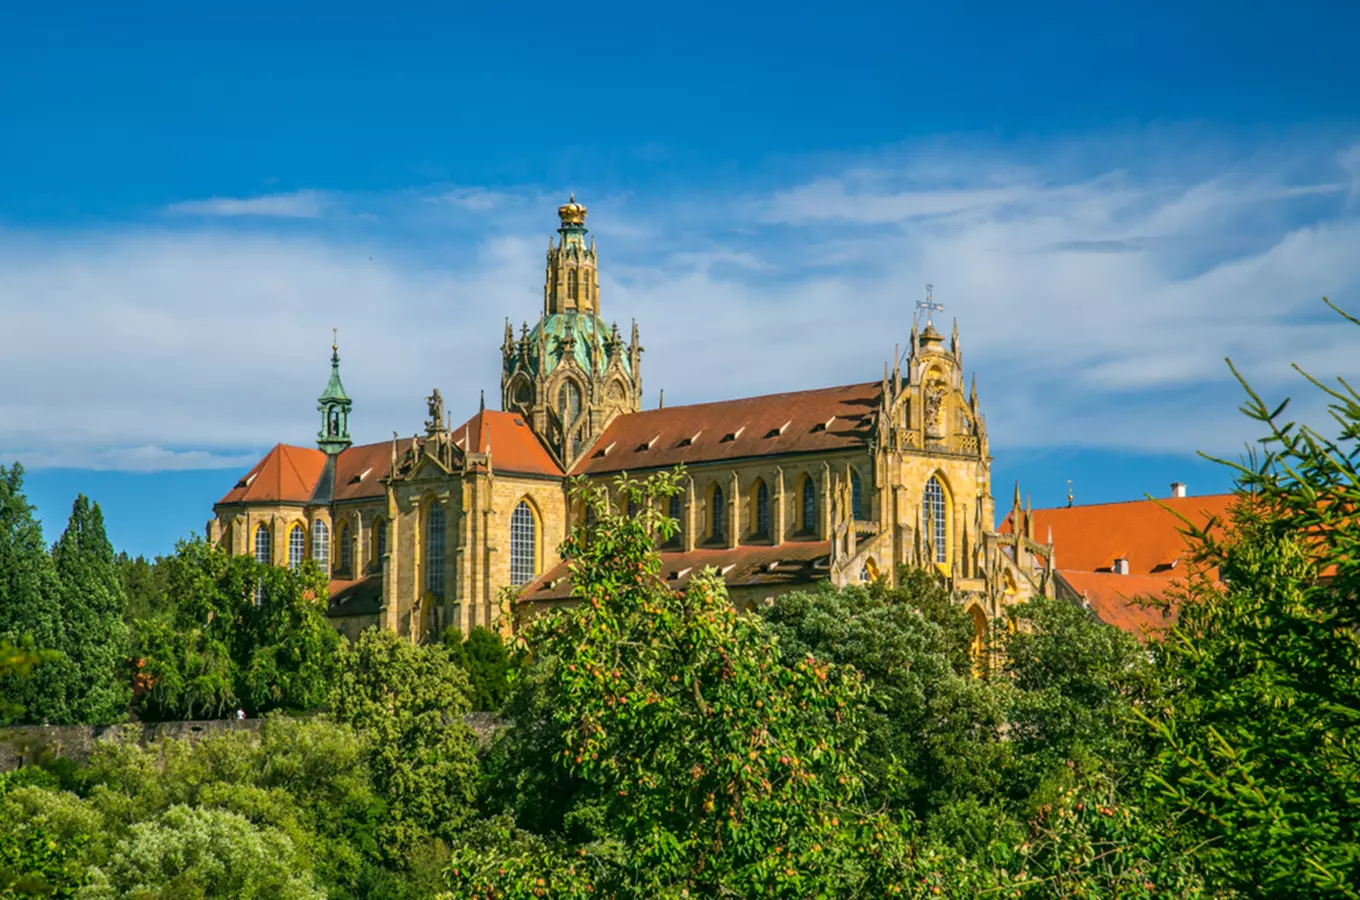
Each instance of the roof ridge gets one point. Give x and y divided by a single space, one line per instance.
1156 500
821 390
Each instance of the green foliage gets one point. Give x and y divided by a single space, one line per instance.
408 701
143 588
30 608
1259 738
37 865
188 852
238 634
488 662
16 663
659 744
95 638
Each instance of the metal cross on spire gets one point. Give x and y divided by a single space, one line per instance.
929 304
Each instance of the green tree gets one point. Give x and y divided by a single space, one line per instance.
188 852
30 607
408 702
238 633
659 745
908 664
96 640
16 664
489 666
143 588
1259 738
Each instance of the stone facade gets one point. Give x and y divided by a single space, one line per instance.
845 484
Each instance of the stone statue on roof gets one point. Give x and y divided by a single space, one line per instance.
435 423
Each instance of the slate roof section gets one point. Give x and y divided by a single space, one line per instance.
791 564
513 445
356 597
816 421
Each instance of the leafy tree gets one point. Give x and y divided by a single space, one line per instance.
240 633
1077 684
1259 738
92 601
16 663
907 662
659 746
30 607
408 702
205 853
455 644
143 588
489 666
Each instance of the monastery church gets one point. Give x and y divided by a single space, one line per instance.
841 483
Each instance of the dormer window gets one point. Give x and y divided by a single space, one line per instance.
1121 565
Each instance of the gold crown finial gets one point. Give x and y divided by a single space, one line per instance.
572 213
335 339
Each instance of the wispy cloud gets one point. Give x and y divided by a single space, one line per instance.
294 205
1096 303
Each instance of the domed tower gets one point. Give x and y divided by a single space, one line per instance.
571 373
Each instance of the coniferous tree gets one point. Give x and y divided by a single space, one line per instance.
30 605
95 638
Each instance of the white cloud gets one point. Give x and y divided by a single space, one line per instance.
294 205
1096 305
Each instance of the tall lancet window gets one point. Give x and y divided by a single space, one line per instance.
856 497
571 284
718 514
321 544
934 523
762 510
809 505
434 549
297 547
262 544
523 544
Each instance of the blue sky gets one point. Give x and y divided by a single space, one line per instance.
1110 197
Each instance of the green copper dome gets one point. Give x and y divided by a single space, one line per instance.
590 337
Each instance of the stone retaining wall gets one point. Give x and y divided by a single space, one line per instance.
25 744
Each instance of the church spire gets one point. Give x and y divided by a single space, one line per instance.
334 405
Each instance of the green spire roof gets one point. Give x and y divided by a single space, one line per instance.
334 405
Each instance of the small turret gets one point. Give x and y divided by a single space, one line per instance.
334 405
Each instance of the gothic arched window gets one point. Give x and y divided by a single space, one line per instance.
856 501
321 543
762 515
523 544
571 284
379 541
346 548
674 509
934 522
297 546
809 520
569 401
262 544
717 511
434 549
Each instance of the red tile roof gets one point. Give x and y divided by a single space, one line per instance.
827 419
512 443
286 474
791 563
360 470
1090 538
1115 599
354 597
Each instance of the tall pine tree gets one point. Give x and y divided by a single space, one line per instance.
30 605
96 640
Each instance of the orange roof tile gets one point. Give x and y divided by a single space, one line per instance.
791 563
511 442
1114 599
286 474
802 422
1089 538
354 597
359 471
